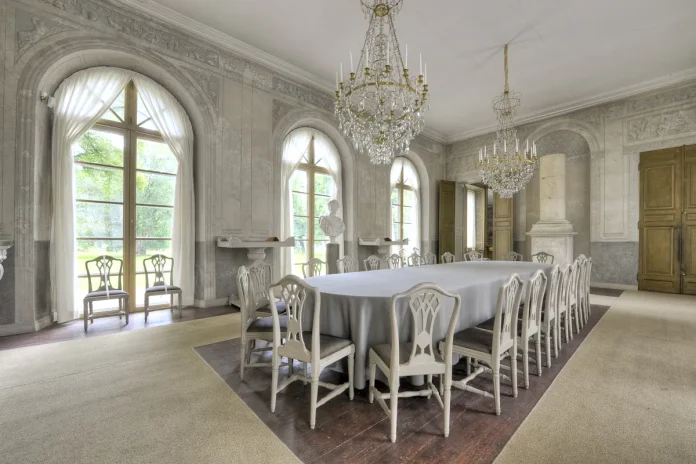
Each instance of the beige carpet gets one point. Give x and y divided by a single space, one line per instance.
135 397
627 395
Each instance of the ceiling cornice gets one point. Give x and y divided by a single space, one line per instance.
559 110
434 135
229 43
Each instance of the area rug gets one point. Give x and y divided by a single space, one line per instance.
134 397
628 394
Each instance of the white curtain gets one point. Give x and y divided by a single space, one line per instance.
295 147
81 100
411 179
174 125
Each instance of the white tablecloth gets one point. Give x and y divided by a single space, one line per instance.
356 305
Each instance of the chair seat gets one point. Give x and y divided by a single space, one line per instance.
488 325
384 352
475 339
329 344
103 294
265 324
161 288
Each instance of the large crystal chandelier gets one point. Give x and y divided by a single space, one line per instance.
380 108
507 169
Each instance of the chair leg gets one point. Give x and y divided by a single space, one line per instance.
127 308
548 350
538 352
373 372
120 308
91 312
468 366
351 370
242 361
496 389
577 317
555 339
513 369
147 307
171 303
86 313
393 407
314 396
525 362
304 370
274 380
181 314
447 400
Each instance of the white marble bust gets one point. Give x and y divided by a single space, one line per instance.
332 225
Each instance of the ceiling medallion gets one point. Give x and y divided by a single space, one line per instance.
380 108
507 170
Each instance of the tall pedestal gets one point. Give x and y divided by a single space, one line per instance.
332 256
553 233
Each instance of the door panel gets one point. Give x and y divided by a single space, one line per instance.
447 216
689 222
502 226
660 220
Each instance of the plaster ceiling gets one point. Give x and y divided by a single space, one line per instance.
563 53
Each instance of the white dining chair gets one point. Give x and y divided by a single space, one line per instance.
573 306
493 347
312 347
372 263
542 257
448 258
548 323
313 267
587 284
430 258
347 264
562 315
473 255
261 274
419 356
255 324
529 322
415 259
395 262
513 256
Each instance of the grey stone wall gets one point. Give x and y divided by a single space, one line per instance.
7 293
614 262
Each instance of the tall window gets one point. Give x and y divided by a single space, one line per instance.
405 209
470 219
125 176
312 187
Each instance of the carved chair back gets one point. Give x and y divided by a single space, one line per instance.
430 258
574 279
513 256
347 264
425 301
531 316
448 258
297 294
473 255
157 266
415 259
260 274
245 292
552 296
564 290
588 277
313 267
506 313
373 263
108 269
543 257
395 261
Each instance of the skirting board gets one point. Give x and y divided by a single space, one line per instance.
211 303
614 286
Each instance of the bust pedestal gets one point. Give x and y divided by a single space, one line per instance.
332 257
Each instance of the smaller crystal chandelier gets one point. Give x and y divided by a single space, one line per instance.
507 172
380 108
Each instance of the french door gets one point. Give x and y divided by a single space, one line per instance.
667 226
125 176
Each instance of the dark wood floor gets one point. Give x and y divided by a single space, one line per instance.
358 432
606 291
109 325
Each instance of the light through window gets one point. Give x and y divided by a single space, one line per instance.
125 177
405 217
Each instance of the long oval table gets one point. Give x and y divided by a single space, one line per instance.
356 305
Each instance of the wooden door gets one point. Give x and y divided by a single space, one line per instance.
502 226
660 220
446 217
688 253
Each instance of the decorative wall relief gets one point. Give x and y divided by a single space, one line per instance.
303 94
210 84
662 99
280 109
592 117
663 125
31 29
138 29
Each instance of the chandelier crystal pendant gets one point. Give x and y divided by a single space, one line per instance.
507 170
380 108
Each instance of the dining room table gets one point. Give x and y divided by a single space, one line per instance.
357 305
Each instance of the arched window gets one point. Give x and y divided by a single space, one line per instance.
123 184
405 201
311 177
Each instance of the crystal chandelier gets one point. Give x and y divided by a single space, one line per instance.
380 108
507 172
